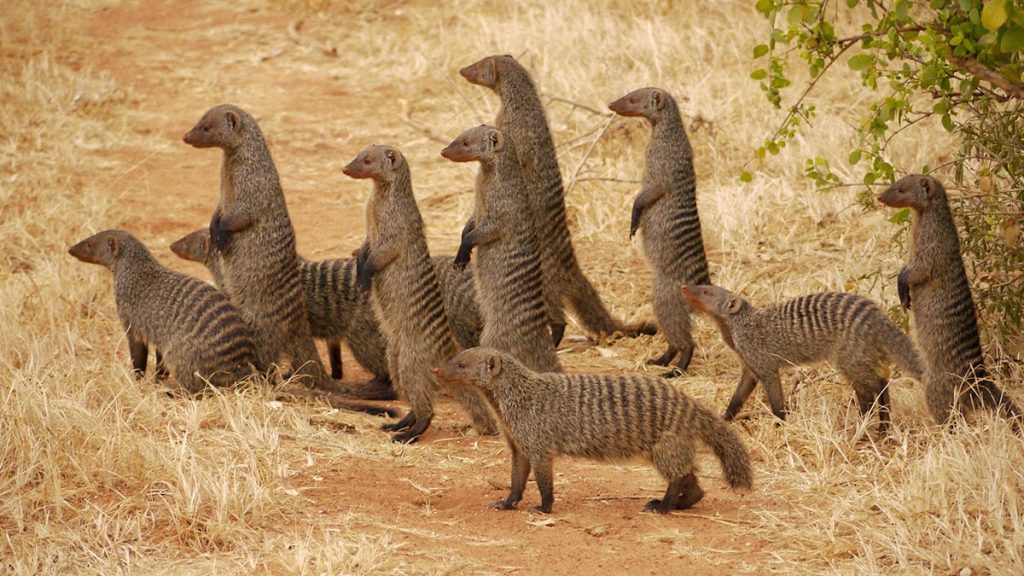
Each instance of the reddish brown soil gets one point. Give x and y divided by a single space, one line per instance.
172 189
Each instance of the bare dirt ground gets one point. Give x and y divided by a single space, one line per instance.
597 525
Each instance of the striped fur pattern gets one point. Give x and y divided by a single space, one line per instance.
508 263
199 333
849 331
407 296
522 117
600 417
934 286
666 210
253 233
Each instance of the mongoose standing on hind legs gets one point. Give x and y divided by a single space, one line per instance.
508 263
666 209
848 330
253 233
199 333
601 417
522 118
933 286
394 261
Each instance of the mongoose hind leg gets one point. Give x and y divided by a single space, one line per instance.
685 356
139 352
673 314
160 371
334 354
542 474
673 457
413 432
479 413
690 493
748 381
408 420
520 474
863 373
664 360
669 501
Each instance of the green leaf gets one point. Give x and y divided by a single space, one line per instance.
764 6
746 177
852 3
860 61
760 50
994 15
941 107
902 215
758 74
854 157
947 122
1013 40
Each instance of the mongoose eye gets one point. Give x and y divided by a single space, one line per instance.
206 128
462 364
366 161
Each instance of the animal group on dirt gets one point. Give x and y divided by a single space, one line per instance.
483 327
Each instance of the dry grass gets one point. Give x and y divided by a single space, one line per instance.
102 474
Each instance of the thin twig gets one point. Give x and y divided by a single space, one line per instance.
603 179
579 167
580 106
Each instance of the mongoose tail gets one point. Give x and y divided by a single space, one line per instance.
601 417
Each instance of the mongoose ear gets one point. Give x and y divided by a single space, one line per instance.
734 305
204 245
392 157
234 122
493 364
113 246
927 185
497 139
658 98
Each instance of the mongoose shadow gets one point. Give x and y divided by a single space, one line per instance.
395 263
599 417
199 334
507 270
934 287
251 230
847 330
666 211
522 117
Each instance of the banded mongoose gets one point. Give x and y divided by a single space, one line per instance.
934 287
508 262
849 331
252 231
666 209
601 417
394 261
199 333
522 117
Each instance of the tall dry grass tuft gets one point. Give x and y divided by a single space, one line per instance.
103 474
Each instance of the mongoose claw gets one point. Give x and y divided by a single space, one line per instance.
364 278
903 289
655 507
540 509
407 437
502 505
462 258
219 236
634 221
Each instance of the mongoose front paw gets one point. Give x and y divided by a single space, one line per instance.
219 236
541 509
655 506
634 221
364 277
903 289
462 258
503 505
407 437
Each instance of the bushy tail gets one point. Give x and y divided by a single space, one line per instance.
376 389
589 309
292 392
901 349
727 446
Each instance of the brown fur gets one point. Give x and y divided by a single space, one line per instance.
395 261
934 286
508 263
600 417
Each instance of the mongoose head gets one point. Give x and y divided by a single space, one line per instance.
714 301
481 143
487 72
377 162
194 247
915 191
646 102
222 126
104 248
478 367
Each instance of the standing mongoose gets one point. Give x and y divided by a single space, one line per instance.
252 231
522 117
508 264
934 287
199 333
666 209
339 311
601 417
849 331
394 261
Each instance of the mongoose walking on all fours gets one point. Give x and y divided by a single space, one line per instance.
339 311
933 286
601 417
849 331
253 233
395 262
522 118
666 209
508 261
199 333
